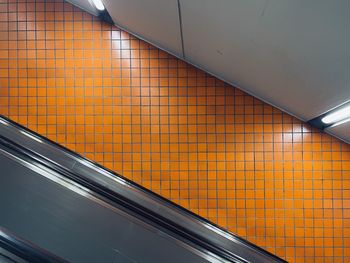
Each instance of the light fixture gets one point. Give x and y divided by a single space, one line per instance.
340 122
337 116
99 5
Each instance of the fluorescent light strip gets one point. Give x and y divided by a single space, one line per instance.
337 116
340 122
99 5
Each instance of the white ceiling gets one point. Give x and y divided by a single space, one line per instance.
156 21
292 54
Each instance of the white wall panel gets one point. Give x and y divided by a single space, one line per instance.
292 54
156 21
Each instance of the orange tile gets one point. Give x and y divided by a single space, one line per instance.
176 130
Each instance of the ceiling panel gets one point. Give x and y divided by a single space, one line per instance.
341 131
292 54
85 5
156 21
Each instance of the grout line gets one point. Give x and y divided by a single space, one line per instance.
183 95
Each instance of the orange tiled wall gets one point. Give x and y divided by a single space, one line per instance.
208 146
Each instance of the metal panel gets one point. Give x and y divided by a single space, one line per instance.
72 224
156 21
292 54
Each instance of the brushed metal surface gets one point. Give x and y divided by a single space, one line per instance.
73 226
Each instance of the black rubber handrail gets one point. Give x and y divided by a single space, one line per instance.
25 250
122 203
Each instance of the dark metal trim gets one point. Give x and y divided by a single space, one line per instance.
181 31
26 250
317 123
105 16
179 229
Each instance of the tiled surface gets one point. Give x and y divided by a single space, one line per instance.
172 128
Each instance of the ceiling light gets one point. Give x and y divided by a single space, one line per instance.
337 115
340 122
99 5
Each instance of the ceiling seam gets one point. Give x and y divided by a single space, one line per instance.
181 34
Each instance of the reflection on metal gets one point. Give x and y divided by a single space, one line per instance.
31 136
55 177
3 122
103 172
78 189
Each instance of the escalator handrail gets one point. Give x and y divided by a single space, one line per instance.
192 218
25 250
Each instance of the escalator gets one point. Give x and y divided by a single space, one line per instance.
56 206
